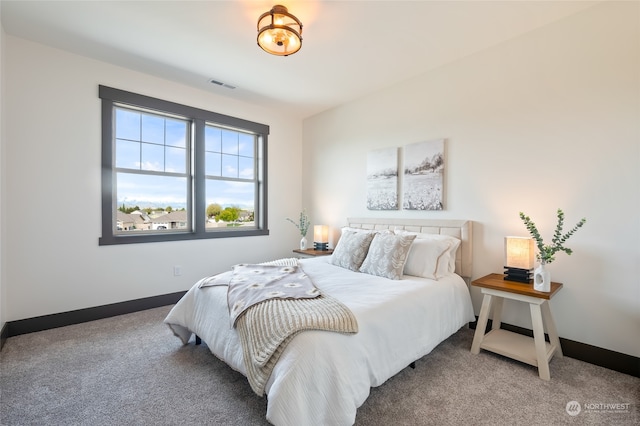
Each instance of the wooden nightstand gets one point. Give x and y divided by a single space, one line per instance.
534 351
313 253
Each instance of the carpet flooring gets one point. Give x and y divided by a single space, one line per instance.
131 370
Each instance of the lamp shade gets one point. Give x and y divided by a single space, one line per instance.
279 32
519 252
320 237
320 234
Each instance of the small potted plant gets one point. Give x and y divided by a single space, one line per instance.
303 226
546 252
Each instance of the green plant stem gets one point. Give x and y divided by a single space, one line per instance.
546 252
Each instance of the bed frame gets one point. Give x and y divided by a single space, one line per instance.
461 229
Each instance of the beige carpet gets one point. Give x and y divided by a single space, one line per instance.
130 370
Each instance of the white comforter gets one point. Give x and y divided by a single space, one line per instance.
323 377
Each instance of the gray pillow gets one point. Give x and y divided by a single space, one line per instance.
351 249
387 255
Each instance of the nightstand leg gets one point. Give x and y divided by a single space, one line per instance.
538 337
481 326
497 313
551 328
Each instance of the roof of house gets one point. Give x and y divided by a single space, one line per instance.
175 216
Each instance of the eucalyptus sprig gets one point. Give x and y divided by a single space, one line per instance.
303 223
546 252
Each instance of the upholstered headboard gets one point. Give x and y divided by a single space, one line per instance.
461 229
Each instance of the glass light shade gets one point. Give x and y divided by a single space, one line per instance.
518 252
320 234
279 32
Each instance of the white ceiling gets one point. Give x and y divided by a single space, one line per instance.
349 49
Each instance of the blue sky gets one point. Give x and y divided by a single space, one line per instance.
152 143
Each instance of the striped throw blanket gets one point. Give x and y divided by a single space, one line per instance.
265 330
267 327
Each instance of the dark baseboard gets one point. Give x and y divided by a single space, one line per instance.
46 322
606 358
4 335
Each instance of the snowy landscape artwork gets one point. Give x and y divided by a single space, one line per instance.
382 179
423 175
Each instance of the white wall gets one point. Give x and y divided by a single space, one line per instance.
548 120
52 195
3 299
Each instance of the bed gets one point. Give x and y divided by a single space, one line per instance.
322 377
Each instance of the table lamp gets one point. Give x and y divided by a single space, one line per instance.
518 258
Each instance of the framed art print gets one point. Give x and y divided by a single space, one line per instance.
423 176
382 179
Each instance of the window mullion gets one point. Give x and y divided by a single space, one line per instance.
198 176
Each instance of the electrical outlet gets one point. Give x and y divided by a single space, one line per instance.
177 271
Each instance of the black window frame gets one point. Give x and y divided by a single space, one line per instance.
199 118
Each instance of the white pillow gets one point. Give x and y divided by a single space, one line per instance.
387 255
453 251
431 255
351 249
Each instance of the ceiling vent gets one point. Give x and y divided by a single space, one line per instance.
219 83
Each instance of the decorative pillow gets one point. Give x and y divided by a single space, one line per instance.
351 249
387 255
431 256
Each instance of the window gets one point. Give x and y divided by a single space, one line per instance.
172 172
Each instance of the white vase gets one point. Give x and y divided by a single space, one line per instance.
541 279
303 243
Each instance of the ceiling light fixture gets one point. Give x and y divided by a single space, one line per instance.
279 32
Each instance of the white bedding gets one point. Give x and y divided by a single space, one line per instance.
323 377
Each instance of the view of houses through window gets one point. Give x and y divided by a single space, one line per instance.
159 219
